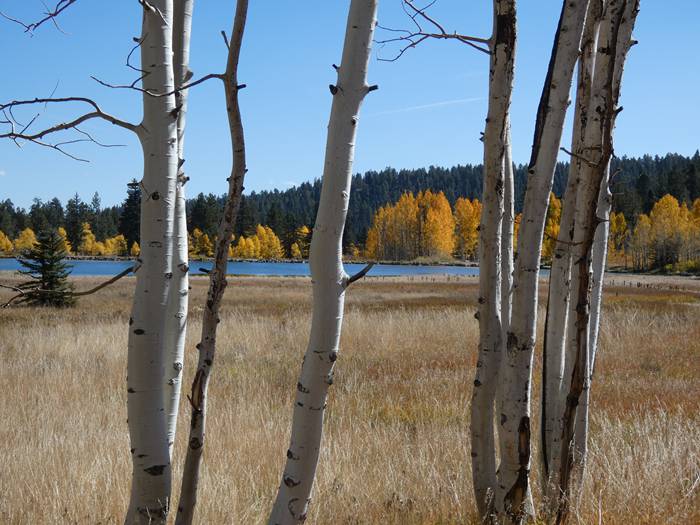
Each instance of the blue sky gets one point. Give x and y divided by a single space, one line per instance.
429 110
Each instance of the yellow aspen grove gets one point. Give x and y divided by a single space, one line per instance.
618 236
88 243
436 224
6 245
115 245
65 243
640 243
303 238
25 240
665 217
404 228
270 245
467 217
201 244
295 251
551 228
135 249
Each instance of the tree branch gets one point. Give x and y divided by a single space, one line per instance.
412 39
359 275
23 292
50 15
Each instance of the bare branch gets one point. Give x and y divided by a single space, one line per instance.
23 292
39 136
154 94
579 157
50 15
411 39
359 275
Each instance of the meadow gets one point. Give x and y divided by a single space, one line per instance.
396 449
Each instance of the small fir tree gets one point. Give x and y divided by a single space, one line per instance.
45 265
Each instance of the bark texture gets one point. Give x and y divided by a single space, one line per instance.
151 478
217 277
513 491
328 276
615 40
501 69
560 274
176 329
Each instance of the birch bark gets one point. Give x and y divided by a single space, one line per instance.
176 329
507 227
502 61
151 478
513 490
327 274
217 277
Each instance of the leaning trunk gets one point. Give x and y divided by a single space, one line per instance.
176 328
489 309
151 478
327 274
513 492
217 277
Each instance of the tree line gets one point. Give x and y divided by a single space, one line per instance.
638 184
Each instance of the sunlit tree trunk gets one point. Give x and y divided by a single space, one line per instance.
507 227
151 479
176 328
501 67
560 274
217 277
614 43
513 491
327 273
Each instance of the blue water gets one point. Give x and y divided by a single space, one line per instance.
88 267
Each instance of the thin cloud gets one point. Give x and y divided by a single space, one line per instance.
427 106
3 173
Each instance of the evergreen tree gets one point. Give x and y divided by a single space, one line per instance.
44 265
130 217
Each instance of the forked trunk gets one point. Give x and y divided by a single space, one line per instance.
327 274
151 478
176 328
490 247
513 494
615 37
217 277
560 274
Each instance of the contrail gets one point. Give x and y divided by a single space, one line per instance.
427 106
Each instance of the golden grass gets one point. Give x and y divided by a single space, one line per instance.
396 450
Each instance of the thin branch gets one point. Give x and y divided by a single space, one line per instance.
580 157
50 15
359 275
154 94
23 292
411 39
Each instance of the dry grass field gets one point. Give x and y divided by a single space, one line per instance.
396 447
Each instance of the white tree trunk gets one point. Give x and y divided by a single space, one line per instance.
176 328
501 68
560 274
217 277
151 479
599 255
507 228
615 40
513 492
327 273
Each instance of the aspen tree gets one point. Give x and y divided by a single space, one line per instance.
615 41
217 277
176 315
513 498
502 63
150 451
328 276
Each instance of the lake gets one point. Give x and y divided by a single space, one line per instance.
96 268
